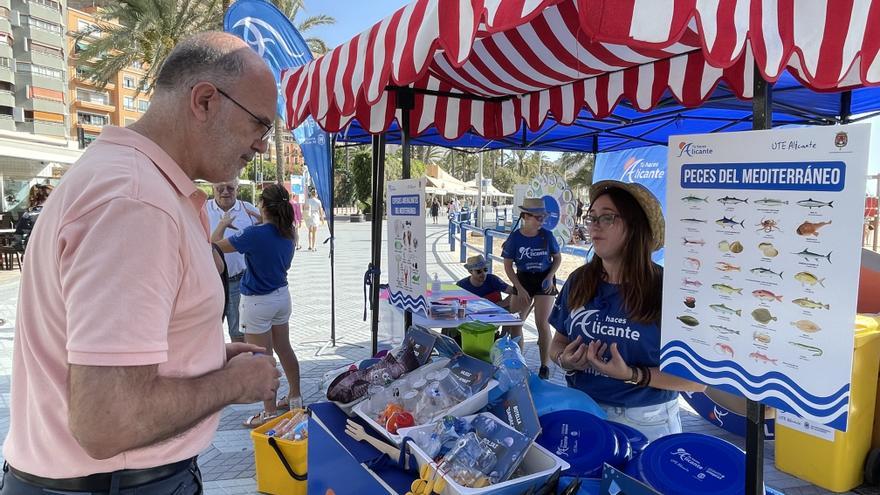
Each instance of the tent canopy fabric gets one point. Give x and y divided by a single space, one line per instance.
489 66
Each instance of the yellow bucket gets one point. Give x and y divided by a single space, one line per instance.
281 464
838 465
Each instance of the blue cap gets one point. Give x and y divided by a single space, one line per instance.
585 441
691 463
637 440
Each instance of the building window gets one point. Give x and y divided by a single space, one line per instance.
40 70
92 119
128 82
90 96
36 116
129 121
46 49
137 64
47 94
143 105
128 102
5 13
51 4
83 26
6 39
41 24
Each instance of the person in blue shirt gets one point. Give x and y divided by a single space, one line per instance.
484 284
265 298
607 317
534 252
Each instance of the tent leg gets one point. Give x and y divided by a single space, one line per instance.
762 118
406 102
376 263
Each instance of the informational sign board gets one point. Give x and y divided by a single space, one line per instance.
763 240
559 202
407 275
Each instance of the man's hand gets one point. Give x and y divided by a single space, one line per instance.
235 348
258 376
615 367
574 356
227 219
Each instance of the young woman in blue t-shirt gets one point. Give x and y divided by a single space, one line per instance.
265 299
535 253
607 317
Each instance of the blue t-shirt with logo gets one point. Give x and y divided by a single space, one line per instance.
491 289
604 318
267 255
531 254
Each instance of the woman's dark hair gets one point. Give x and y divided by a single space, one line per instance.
276 203
38 194
641 281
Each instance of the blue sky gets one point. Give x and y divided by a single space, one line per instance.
352 17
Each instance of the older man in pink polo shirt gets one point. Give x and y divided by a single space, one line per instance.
120 369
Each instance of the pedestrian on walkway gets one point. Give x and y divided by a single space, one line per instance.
315 218
435 210
243 214
620 289
119 367
265 302
534 252
297 218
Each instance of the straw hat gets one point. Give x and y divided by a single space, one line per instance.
475 262
535 206
646 200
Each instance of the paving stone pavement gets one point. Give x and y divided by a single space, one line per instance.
228 465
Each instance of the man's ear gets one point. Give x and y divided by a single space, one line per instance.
202 100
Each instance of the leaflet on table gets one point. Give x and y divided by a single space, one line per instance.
481 306
763 234
509 446
421 342
517 409
471 372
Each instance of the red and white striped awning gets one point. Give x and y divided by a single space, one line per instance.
522 60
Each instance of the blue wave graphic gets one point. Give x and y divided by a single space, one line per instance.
773 387
407 303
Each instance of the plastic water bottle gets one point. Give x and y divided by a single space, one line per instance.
435 287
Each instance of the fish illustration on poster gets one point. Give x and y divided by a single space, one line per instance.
762 251
407 276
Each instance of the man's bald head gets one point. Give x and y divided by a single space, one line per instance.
213 56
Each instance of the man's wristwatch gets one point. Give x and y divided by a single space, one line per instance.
634 378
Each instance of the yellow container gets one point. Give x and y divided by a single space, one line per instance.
839 465
273 476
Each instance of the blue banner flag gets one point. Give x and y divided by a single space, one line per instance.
266 29
646 166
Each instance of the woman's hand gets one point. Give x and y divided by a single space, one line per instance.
227 219
547 284
574 356
615 367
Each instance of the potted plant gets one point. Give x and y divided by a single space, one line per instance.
368 210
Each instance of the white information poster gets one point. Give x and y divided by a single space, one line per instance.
407 275
763 241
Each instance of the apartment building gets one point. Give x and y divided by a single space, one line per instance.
91 108
34 138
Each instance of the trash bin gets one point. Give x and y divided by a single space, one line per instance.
838 465
477 339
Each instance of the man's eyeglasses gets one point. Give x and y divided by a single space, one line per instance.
479 271
225 187
536 217
269 126
602 221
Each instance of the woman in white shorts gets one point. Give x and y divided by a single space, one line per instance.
265 299
314 218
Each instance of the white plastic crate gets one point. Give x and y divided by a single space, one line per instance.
538 465
471 405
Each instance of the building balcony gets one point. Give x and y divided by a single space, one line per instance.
40 58
6 3
41 35
5 23
44 9
7 99
90 127
42 105
94 105
42 127
22 79
7 123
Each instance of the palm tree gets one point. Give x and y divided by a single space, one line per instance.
146 31
582 165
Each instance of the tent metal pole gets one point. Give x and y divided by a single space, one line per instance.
406 102
376 263
845 107
762 118
333 241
